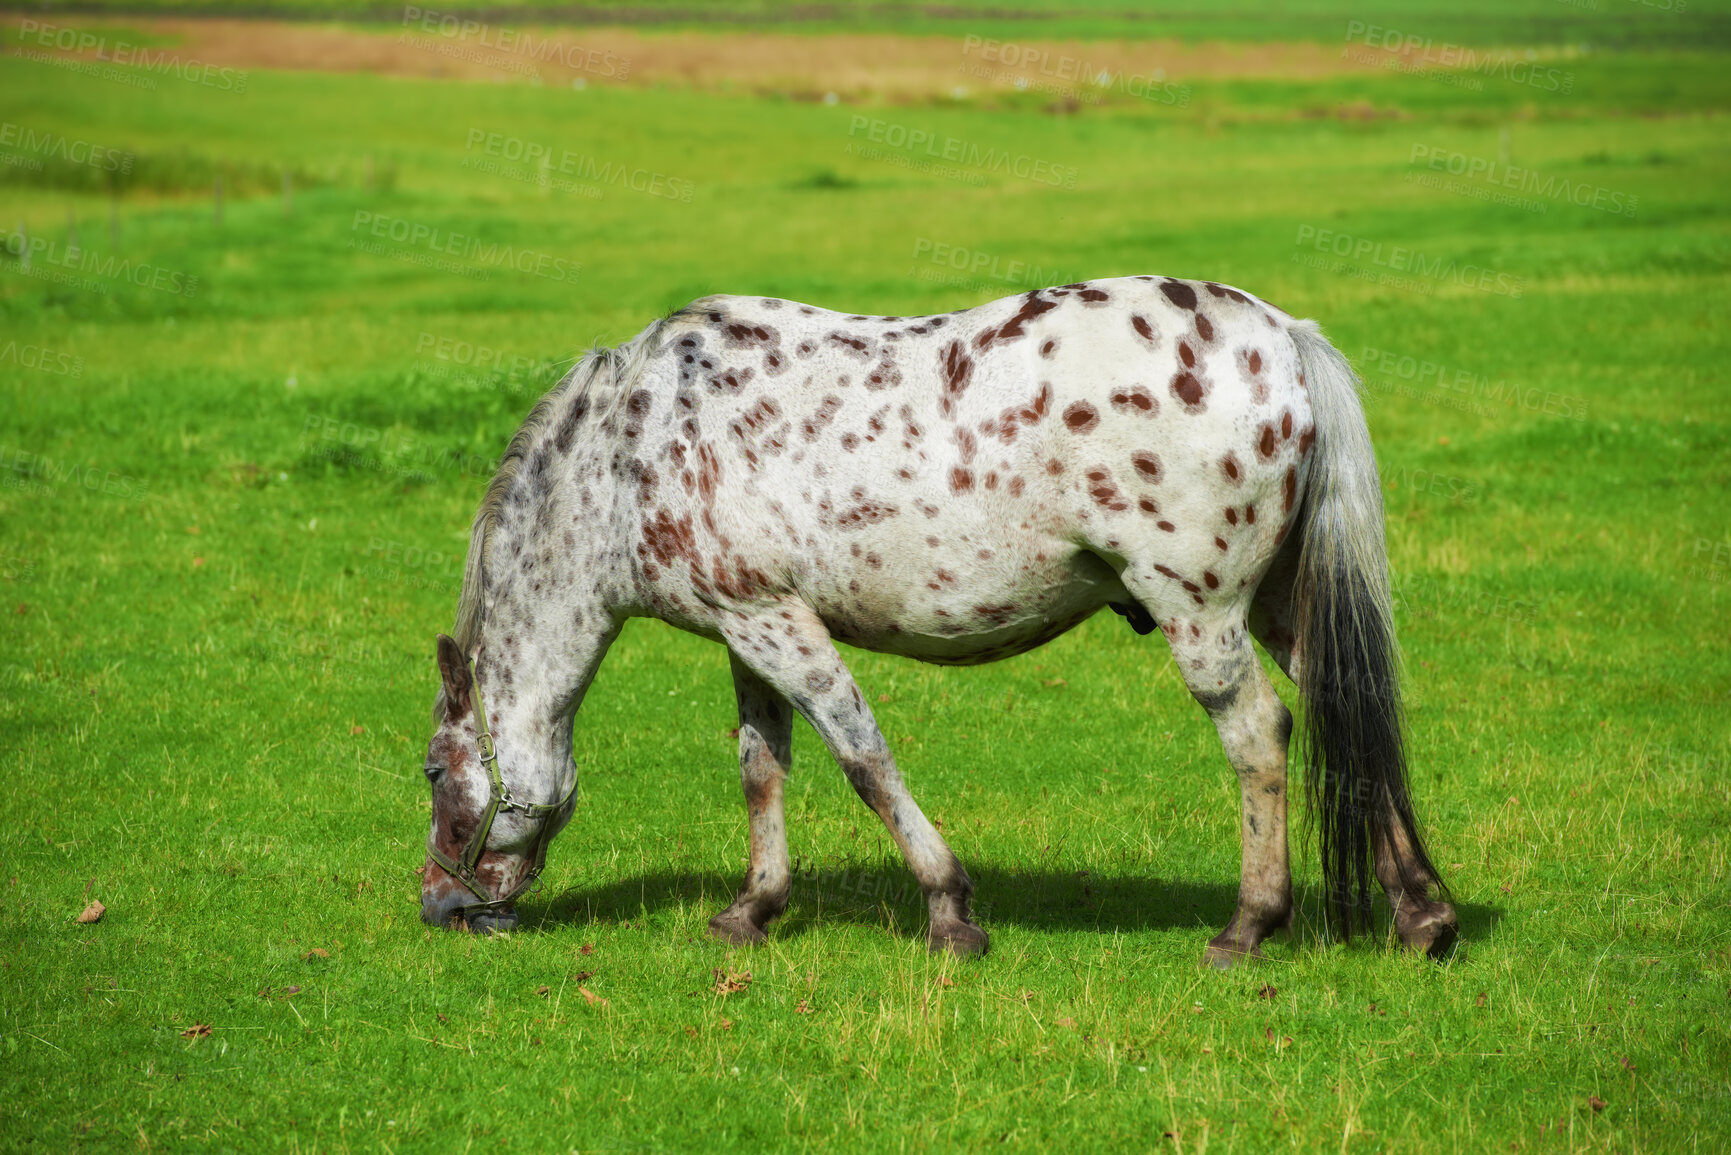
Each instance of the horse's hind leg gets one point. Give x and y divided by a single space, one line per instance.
1220 668
765 757
788 647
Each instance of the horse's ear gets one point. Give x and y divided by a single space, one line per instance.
454 673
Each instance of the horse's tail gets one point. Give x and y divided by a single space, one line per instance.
1354 752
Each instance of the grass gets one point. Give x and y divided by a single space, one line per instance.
228 537
1616 23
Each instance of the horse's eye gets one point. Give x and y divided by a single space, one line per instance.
434 773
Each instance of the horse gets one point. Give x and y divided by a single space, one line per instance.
956 488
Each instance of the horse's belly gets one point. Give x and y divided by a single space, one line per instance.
970 611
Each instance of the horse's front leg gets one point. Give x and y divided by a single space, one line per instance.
789 648
765 757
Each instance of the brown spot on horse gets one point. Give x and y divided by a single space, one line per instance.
1190 390
1081 417
1179 294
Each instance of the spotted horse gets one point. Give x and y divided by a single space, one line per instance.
956 488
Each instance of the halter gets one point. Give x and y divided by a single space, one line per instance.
499 798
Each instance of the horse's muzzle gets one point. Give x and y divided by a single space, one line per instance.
451 915
487 921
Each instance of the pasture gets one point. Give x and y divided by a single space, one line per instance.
241 446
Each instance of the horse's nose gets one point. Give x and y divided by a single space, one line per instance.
488 921
448 912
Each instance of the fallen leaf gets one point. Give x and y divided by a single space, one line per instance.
542 991
804 1008
289 992
196 1031
441 1016
582 976
192 529
197 562
357 729
92 912
1267 991
1627 1065
692 1031
1065 1021
1482 999
946 981
731 983
591 997
1596 1103
316 952
588 948
726 1024
1054 683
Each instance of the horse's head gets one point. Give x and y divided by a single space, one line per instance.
494 809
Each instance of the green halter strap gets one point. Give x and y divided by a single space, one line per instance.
499 797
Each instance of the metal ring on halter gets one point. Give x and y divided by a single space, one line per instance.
463 867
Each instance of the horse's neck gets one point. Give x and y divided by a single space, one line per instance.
550 562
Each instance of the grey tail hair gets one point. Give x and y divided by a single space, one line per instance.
597 367
1349 665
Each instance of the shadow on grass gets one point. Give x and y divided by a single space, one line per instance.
884 894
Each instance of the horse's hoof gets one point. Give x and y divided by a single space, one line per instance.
1223 958
736 929
962 939
1433 931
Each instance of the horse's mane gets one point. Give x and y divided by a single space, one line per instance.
621 363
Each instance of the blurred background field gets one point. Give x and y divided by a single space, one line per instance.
285 300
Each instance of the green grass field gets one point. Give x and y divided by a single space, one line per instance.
1620 23
239 464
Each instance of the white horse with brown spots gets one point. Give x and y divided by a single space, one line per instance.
958 489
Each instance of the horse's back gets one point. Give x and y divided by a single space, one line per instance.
964 485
